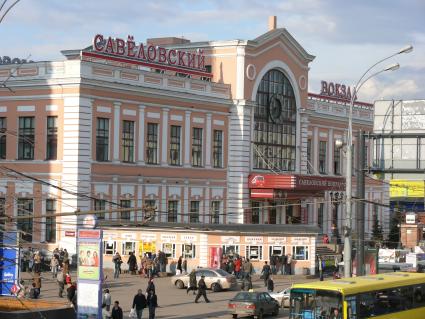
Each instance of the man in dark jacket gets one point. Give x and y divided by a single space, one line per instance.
152 302
202 290
132 263
265 273
192 282
116 311
139 302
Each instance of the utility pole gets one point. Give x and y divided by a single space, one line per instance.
361 160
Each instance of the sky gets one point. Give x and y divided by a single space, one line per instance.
347 37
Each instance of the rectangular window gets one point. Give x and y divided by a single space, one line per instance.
309 161
102 140
231 250
300 252
175 136
320 211
25 225
322 157
254 252
109 247
197 147
3 128
99 205
276 250
128 141
172 211
255 218
188 251
215 212
26 138
218 149
52 138
128 247
194 212
150 208
152 144
169 250
337 161
51 221
125 203
2 210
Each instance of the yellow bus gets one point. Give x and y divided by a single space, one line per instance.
395 295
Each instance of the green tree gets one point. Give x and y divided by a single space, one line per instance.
394 235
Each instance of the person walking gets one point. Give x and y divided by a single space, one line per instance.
283 262
265 273
107 299
151 286
162 258
320 262
152 301
192 282
65 260
202 290
60 278
105 313
270 284
247 268
117 260
238 264
289 264
179 265
132 264
116 312
184 265
139 303
54 263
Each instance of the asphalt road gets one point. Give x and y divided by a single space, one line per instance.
174 303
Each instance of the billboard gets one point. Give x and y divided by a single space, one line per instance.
402 188
90 275
9 263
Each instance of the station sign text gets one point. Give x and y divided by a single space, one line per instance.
336 90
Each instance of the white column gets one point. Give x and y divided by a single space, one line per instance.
114 215
315 150
141 157
208 143
207 210
185 202
116 147
164 157
43 220
164 206
331 146
187 126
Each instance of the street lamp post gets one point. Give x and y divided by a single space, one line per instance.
349 152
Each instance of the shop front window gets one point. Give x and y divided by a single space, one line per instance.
254 252
275 124
128 247
230 250
300 252
188 251
169 250
276 250
109 247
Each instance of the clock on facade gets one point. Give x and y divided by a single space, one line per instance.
275 108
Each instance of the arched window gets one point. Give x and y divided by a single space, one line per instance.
275 124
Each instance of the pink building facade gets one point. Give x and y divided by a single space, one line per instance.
99 132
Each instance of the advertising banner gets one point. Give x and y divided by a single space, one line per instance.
90 273
88 260
9 262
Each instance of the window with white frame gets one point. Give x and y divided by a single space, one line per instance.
276 251
188 251
169 250
254 252
194 211
322 157
128 247
300 252
230 250
109 247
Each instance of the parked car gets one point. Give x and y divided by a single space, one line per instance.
282 297
215 279
254 304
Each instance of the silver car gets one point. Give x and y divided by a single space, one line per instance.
282 297
215 279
